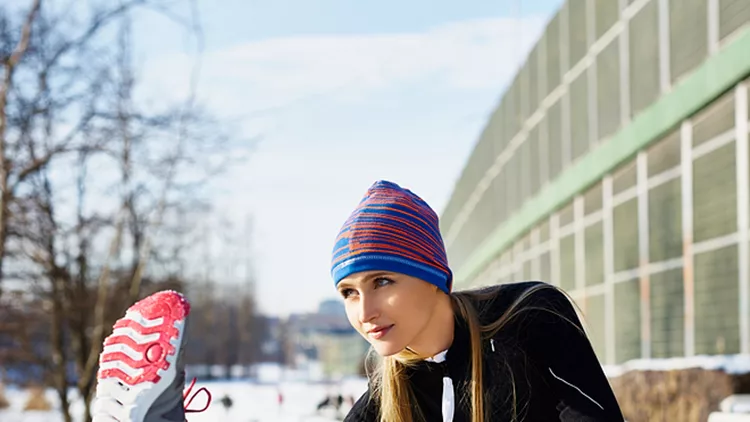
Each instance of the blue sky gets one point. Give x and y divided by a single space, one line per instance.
229 22
342 93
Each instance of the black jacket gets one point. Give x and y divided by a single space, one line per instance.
556 374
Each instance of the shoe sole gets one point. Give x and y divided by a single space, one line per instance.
139 359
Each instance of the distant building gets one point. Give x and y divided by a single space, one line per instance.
327 338
332 307
271 340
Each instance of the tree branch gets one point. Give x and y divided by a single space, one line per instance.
23 44
5 88
99 21
101 299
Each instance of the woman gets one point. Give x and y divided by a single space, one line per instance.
515 352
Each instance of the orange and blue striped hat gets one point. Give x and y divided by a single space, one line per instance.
392 229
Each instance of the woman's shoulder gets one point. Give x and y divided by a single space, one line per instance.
493 302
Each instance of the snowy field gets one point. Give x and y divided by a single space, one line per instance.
731 364
251 403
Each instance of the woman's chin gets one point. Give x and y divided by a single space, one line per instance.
386 349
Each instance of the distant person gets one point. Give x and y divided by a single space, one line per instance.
332 401
324 403
227 402
515 352
339 401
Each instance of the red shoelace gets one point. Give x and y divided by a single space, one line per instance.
188 401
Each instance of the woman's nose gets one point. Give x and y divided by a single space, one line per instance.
369 309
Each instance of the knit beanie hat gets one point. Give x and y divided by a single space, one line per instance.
393 230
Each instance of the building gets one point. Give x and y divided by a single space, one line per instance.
326 339
616 166
332 307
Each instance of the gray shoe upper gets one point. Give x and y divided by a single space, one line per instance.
169 406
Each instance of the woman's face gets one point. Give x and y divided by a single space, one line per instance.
388 309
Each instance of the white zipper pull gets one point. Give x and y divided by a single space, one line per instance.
492 344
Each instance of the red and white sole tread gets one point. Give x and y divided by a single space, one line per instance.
139 358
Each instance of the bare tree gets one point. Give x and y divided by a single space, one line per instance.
80 241
225 327
7 165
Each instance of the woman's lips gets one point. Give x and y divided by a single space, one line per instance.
379 333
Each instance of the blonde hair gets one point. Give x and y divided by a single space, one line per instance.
390 386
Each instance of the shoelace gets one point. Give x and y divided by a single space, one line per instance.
188 401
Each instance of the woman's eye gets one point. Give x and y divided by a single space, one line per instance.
382 282
347 292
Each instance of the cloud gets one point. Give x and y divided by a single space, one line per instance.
474 54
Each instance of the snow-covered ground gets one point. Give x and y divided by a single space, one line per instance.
251 403
731 364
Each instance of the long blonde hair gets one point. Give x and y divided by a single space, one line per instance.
390 385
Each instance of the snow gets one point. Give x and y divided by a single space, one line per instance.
737 403
257 401
731 364
728 417
17 399
251 402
